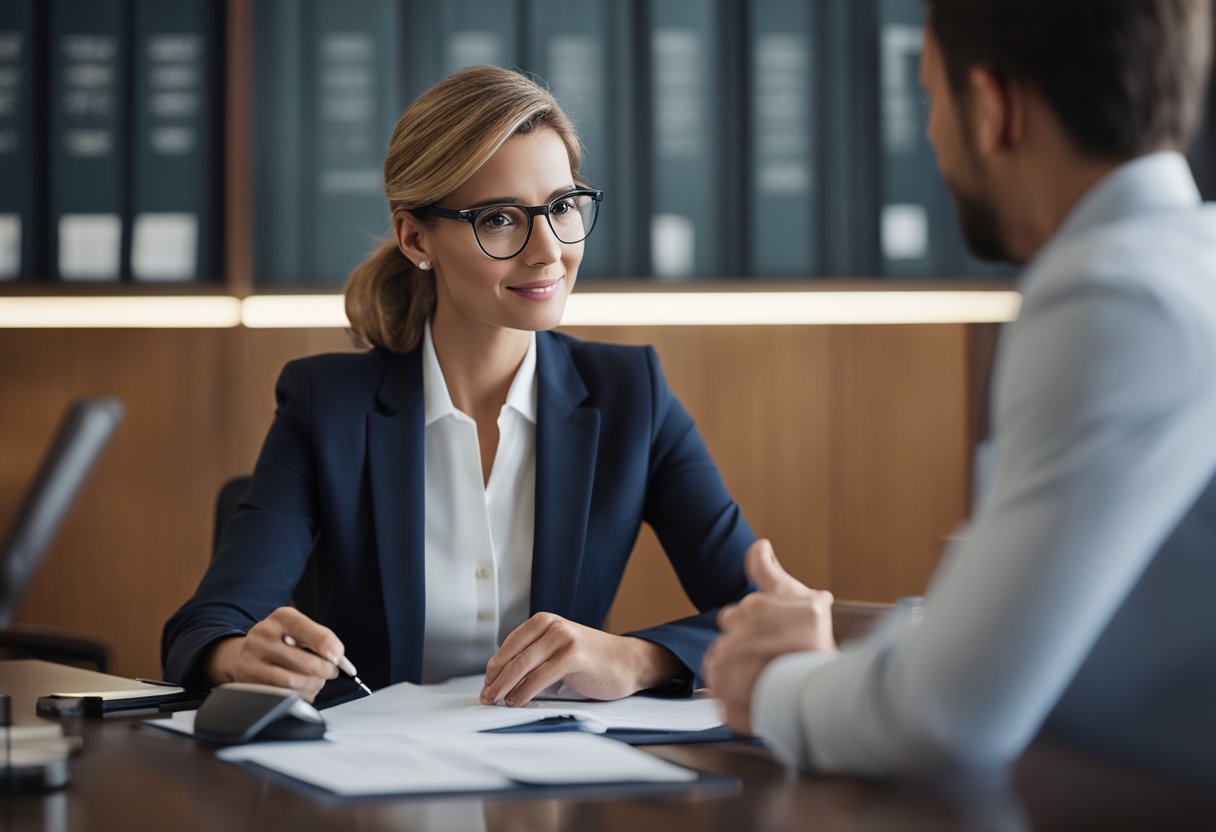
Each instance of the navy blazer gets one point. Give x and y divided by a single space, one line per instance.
333 520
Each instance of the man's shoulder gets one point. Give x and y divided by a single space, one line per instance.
1166 257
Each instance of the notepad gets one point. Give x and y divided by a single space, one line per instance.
97 693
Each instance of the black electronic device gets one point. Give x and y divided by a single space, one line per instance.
242 712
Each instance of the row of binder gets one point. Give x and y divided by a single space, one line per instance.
109 151
734 138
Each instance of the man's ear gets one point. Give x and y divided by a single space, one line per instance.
996 112
411 236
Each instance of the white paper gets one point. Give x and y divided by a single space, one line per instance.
383 765
564 758
640 713
474 762
453 707
406 710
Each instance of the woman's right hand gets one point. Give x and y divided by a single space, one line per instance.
261 655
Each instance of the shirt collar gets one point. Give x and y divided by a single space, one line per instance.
437 401
1147 184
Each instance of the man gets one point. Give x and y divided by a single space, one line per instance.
1080 597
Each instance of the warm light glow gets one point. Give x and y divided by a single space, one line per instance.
702 308
294 311
183 312
582 309
760 308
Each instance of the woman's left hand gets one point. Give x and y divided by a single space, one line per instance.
548 649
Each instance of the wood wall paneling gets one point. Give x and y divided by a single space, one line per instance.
845 445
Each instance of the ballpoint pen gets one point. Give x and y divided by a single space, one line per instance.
342 663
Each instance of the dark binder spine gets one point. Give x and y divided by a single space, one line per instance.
278 125
782 146
912 207
574 51
687 186
89 51
474 32
22 140
351 101
177 173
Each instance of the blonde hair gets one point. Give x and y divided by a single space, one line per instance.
440 141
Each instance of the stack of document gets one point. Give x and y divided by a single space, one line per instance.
454 707
427 739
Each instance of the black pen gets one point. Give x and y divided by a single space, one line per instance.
342 662
159 682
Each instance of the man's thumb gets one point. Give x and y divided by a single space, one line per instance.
766 573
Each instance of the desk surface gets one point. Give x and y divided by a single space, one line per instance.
130 777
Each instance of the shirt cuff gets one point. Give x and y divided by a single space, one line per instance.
777 702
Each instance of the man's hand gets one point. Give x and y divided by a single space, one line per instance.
785 616
548 649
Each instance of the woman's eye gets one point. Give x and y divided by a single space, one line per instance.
498 219
562 207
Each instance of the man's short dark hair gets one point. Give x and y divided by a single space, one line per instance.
1125 77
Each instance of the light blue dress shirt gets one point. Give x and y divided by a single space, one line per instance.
1083 593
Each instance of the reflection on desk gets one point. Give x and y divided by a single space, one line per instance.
132 777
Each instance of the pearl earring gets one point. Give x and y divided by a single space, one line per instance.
424 265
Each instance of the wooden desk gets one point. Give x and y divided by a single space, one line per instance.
131 777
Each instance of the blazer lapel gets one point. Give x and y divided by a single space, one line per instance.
567 436
396 446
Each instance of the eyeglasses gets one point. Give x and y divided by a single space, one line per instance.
503 231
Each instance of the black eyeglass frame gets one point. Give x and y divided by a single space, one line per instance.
470 216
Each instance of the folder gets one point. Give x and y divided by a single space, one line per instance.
584 53
783 122
688 137
176 143
326 98
21 140
88 55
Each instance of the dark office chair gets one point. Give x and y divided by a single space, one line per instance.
86 428
226 503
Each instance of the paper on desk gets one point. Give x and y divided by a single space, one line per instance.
475 762
563 758
384 765
640 713
453 707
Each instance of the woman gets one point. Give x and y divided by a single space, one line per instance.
464 497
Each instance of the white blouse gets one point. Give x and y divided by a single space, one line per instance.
478 537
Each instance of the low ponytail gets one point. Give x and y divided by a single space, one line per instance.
389 300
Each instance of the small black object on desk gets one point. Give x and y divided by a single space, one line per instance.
240 712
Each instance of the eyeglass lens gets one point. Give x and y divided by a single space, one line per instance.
502 230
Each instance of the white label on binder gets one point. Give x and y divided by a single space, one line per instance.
672 245
164 247
10 246
90 246
905 231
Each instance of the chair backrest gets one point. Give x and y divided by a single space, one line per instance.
226 503
83 433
